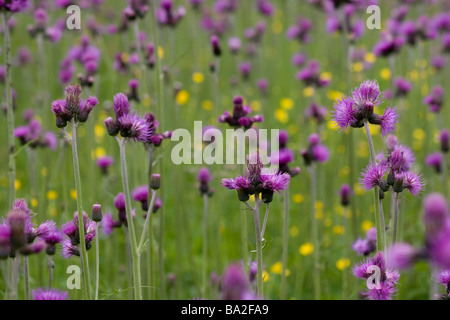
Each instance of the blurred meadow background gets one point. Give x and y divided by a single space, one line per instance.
191 91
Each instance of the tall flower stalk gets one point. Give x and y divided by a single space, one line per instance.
9 111
261 183
75 110
357 111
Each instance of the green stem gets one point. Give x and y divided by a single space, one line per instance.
129 261
395 229
9 112
381 233
150 260
135 257
258 238
26 277
84 256
97 262
204 247
284 254
315 233
147 224
50 271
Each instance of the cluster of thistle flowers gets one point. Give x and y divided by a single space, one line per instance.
398 167
358 109
257 180
32 133
436 217
85 54
436 159
240 118
130 125
285 156
235 283
386 288
401 31
14 6
316 152
140 194
347 21
19 235
40 27
73 107
70 245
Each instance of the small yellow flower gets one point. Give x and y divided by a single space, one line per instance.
308 92
182 97
277 268
207 105
306 249
281 116
366 225
357 67
319 215
293 231
326 76
370 57
265 276
298 198
255 105
125 57
160 52
318 205
385 73
334 95
34 202
277 26
419 134
342 264
52 195
44 171
53 212
198 77
73 194
99 131
286 103
100 152
147 101
414 75
358 189
332 125
339 230
17 184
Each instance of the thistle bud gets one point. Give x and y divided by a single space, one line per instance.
73 98
97 212
16 221
215 43
111 126
443 138
155 181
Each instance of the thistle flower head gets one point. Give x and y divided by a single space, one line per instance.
401 256
373 176
368 93
344 113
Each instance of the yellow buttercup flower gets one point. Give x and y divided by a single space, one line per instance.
306 249
52 195
342 264
182 97
207 105
198 77
385 73
366 225
281 116
286 103
73 194
298 198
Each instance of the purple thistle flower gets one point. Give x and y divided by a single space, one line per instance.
135 127
69 250
45 228
119 201
5 235
235 283
373 176
413 182
104 163
435 160
274 181
49 294
436 214
444 140
121 105
238 183
385 292
435 99
388 121
361 270
367 92
204 177
344 113
108 224
401 256
361 247
444 279
345 193
320 153
140 194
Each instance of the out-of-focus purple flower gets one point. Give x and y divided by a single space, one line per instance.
49 294
240 117
5 235
300 31
401 256
204 178
345 193
104 162
140 194
236 285
316 112
434 160
402 87
435 100
444 140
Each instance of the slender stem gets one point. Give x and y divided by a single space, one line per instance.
150 260
205 242
381 233
135 258
395 229
259 274
9 112
50 271
444 175
84 256
266 215
26 271
3 267
345 250
15 278
129 262
147 224
284 254
315 233
97 262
